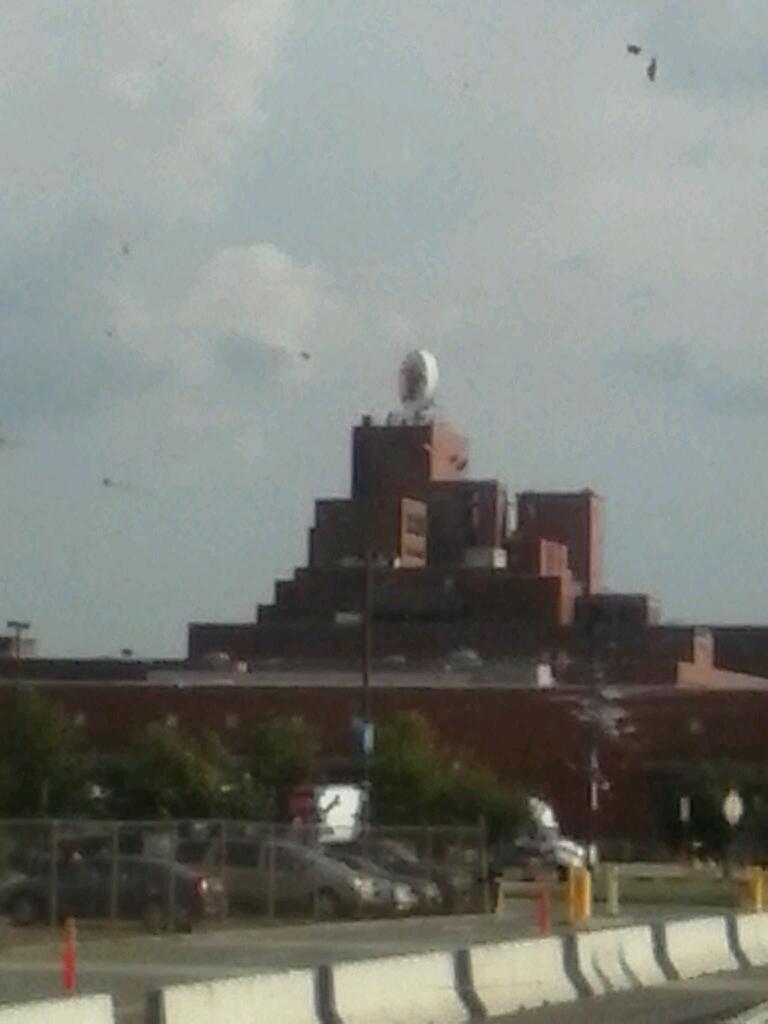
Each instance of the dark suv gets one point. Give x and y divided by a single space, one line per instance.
146 889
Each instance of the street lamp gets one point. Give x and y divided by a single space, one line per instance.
366 728
18 628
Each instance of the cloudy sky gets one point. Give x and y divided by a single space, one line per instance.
193 193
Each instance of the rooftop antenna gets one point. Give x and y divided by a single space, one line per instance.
418 379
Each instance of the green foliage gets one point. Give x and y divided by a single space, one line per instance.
281 753
39 771
706 784
415 782
406 771
166 774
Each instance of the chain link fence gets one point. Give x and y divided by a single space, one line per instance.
179 875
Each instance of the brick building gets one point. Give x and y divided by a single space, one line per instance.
574 521
507 715
452 574
448 567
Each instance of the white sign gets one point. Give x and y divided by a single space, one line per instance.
733 808
339 808
685 809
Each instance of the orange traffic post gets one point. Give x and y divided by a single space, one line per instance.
542 910
69 956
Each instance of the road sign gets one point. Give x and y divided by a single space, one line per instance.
733 808
685 810
365 735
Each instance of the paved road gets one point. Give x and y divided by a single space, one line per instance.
701 1001
128 967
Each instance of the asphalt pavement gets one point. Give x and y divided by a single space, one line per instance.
129 966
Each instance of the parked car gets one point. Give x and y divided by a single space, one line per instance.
456 886
401 895
145 890
534 855
297 877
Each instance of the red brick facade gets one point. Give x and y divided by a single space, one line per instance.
538 739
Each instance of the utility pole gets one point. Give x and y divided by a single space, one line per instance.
18 628
365 732
594 782
593 772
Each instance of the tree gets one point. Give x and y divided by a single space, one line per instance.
705 784
40 773
281 753
417 782
405 771
469 791
167 774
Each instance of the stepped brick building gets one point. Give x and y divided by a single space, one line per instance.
454 564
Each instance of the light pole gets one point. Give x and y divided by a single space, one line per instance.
18 628
366 735
593 770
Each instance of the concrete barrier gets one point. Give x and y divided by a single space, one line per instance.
452 988
757 1015
419 989
618 959
87 1010
512 976
699 946
752 937
288 997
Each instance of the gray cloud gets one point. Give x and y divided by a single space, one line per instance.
669 363
714 389
248 363
733 397
44 380
496 181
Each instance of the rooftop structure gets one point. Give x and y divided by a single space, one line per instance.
448 566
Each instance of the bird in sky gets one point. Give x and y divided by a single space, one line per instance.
125 249
651 70
115 485
305 355
634 49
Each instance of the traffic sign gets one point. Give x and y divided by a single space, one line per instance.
733 808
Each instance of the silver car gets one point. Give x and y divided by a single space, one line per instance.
398 893
260 875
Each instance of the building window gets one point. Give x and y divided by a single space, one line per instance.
232 720
474 513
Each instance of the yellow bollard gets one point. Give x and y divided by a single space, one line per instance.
749 887
755 889
584 896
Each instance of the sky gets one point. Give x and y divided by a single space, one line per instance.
194 193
